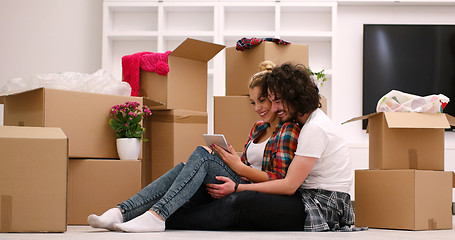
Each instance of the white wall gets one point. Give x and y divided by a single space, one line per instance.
47 36
347 82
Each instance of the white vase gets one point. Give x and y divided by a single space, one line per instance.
128 148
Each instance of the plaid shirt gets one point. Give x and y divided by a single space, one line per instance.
328 211
279 150
248 43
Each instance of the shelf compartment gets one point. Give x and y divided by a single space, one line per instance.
188 18
249 18
296 18
135 18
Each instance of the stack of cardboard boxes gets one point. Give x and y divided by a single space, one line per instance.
179 107
85 178
233 114
406 186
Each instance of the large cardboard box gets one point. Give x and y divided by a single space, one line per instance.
403 199
96 185
234 117
185 86
400 140
83 117
242 65
175 134
33 175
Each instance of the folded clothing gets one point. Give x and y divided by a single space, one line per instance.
147 61
247 43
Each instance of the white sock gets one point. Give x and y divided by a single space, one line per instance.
146 222
106 220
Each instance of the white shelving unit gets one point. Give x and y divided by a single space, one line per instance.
158 26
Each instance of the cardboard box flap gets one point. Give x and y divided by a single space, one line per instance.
450 119
179 116
11 93
31 132
416 120
361 118
411 120
152 104
197 50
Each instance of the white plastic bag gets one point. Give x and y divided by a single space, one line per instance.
98 82
396 101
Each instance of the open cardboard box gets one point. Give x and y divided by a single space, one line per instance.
401 140
403 199
242 65
83 117
33 175
185 86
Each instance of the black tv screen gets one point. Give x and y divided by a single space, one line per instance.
416 59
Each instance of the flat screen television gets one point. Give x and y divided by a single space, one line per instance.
416 59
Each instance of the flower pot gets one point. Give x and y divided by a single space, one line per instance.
128 148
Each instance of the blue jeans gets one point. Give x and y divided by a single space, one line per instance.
173 189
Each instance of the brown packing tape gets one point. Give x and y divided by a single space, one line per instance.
6 213
412 158
179 119
432 225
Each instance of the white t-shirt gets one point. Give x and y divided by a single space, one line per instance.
319 138
255 153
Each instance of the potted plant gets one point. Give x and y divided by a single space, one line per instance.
126 121
318 77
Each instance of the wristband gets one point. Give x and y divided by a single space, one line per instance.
236 186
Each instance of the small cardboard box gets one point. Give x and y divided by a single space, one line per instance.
175 134
242 65
400 140
185 86
234 117
96 185
33 175
83 117
403 199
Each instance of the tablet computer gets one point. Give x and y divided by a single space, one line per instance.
217 139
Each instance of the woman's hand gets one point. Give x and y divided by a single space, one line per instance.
218 191
230 158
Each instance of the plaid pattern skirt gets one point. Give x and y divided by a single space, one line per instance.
328 211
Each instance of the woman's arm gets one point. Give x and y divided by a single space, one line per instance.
297 173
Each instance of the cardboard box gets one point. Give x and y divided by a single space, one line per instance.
323 101
400 140
403 199
83 117
242 65
185 86
96 185
234 117
175 134
33 175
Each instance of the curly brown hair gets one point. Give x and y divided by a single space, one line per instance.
295 87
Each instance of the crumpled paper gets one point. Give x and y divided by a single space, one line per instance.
397 101
98 82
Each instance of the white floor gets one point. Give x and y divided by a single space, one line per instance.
85 232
